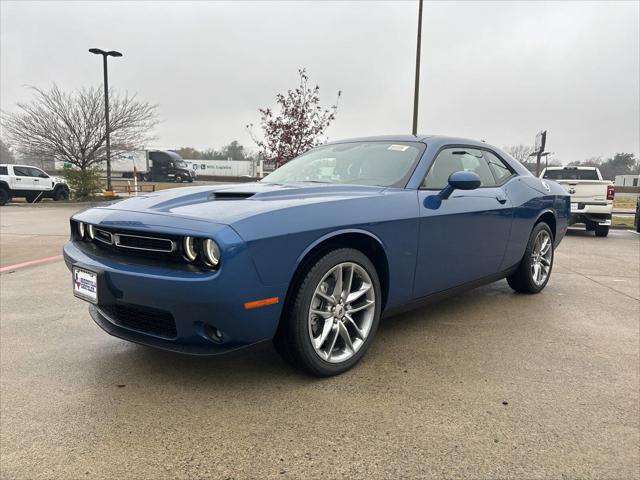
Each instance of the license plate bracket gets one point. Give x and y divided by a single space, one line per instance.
85 284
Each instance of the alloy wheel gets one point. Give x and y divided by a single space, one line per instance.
541 257
341 312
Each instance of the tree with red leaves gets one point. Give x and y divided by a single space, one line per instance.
298 125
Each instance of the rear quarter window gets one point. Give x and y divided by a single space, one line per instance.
4 171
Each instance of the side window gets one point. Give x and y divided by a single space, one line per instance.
498 168
458 159
3 171
36 172
21 171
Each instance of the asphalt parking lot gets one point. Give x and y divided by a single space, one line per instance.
489 384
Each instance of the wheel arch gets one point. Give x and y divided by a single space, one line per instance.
358 239
548 217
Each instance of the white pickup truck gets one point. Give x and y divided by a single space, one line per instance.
30 183
591 196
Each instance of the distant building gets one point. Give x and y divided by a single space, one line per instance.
627 180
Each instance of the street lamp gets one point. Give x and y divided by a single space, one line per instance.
111 53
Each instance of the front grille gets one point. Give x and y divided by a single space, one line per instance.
133 243
143 319
139 242
103 236
158 248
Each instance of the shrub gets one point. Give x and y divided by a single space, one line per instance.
83 183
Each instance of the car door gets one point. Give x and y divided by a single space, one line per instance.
22 177
462 238
41 181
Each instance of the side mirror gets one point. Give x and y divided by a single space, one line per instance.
460 181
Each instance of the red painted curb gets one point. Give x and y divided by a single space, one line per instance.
18 266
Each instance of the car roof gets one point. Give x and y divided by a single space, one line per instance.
423 138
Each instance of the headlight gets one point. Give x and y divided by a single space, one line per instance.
211 252
189 247
90 233
81 230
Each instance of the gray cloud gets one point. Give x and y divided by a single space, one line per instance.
493 70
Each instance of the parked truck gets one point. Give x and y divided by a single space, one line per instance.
30 183
154 165
591 196
151 165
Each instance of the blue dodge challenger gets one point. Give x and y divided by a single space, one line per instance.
315 253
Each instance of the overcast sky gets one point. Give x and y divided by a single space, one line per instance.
498 71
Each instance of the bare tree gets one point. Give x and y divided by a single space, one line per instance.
520 152
6 155
298 125
69 126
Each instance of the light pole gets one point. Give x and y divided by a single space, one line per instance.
111 53
416 91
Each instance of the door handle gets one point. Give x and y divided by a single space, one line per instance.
501 198
18 179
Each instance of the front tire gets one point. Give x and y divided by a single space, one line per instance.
602 230
332 315
534 270
179 178
61 194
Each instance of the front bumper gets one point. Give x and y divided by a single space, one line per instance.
180 309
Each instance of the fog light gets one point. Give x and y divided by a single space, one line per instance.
211 252
213 333
189 247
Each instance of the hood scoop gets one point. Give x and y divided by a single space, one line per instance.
222 195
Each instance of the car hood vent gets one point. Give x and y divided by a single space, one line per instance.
222 195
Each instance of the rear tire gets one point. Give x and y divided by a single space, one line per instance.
5 196
602 230
534 270
325 336
589 226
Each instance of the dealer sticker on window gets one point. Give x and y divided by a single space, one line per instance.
398 148
85 284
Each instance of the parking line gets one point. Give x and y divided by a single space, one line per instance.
18 266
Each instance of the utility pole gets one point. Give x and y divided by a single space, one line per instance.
416 92
104 54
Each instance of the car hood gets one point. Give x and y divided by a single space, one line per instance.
231 203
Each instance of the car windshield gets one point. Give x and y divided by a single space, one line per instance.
181 164
385 164
571 174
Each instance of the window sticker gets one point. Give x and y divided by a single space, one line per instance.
398 148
